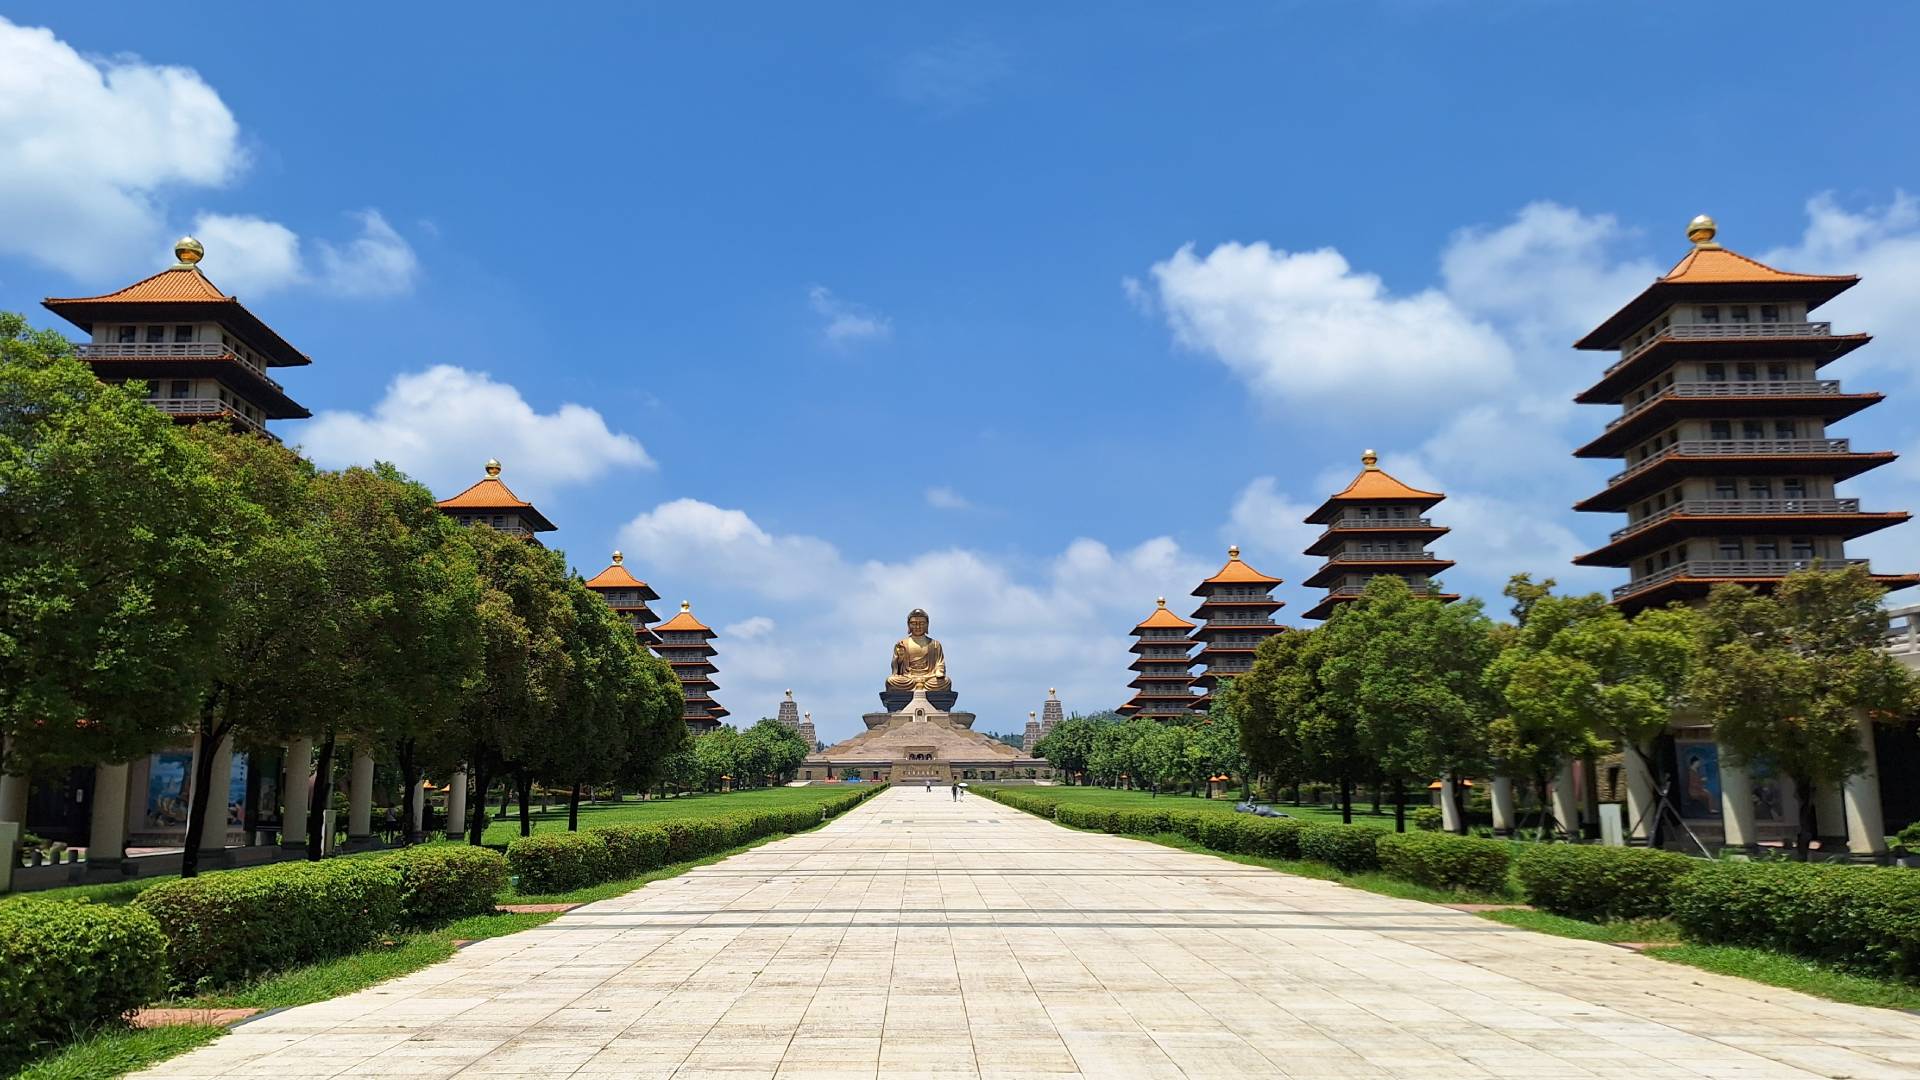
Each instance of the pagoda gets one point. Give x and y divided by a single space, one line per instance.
806 732
490 502
1165 688
627 596
686 643
1236 606
1730 473
789 713
201 354
1051 713
1031 737
1375 525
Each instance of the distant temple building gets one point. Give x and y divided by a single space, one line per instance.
807 734
1374 526
1730 474
1164 686
789 713
1051 713
490 502
686 643
1237 607
1031 737
627 596
201 354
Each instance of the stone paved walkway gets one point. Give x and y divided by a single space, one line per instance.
921 937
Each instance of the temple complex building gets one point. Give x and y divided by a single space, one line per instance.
1163 685
1730 469
1031 737
627 596
687 643
806 732
1236 609
1051 712
491 503
1375 525
201 354
789 713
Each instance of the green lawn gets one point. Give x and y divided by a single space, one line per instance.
1129 799
505 830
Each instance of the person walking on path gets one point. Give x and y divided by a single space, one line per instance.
956 791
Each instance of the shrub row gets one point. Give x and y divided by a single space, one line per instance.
1444 861
1587 881
558 862
71 965
1864 919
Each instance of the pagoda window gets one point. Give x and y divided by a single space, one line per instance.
1753 429
1769 313
1786 429
1720 429
1726 488
1793 487
179 388
1777 373
1710 314
1738 313
1731 547
1766 547
183 333
156 334
1802 547
1716 372
127 335
1759 488
499 520
1748 372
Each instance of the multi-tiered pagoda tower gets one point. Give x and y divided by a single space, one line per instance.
789 712
1236 606
1031 737
1730 473
491 503
200 352
1376 525
1051 712
686 643
1165 688
627 596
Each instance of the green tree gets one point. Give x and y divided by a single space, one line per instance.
1411 671
114 530
1542 720
1796 677
1069 746
771 750
717 754
1272 701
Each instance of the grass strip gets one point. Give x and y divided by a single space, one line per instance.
118 1051
1369 881
1792 973
1560 926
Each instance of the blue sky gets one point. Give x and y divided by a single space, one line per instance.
824 313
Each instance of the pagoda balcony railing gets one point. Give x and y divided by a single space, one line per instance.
206 406
1726 332
1355 521
170 350
1428 589
1728 568
1734 448
1697 390
1903 631
1223 620
1381 556
1741 508
1243 597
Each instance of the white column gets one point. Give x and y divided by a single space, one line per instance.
1503 815
1866 827
360 798
1736 804
1830 812
295 796
419 805
213 827
457 803
107 837
13 797
1641 795
1449 806
1566 814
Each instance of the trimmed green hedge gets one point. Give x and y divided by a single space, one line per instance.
1861 918
441 883
67 966
226 927
1343 847
1445 861
557 862
1586 881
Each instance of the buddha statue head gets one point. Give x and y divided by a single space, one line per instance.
917 622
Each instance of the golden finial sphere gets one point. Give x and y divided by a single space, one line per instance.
1701 230
493 467
686 605
1233 551
189 251
1370 459
1161 600
618 558
789 695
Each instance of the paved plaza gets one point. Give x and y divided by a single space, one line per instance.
917 936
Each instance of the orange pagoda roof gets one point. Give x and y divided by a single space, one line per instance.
1711 272
1235 573
493 494
1372 485
1162 619
683 622
617 576
180 291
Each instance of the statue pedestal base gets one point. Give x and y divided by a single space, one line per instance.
894 701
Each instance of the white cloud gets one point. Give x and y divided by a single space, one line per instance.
1303 328
1270 528
88 146
953 75
442 424
1010 631
248 255
1882 245
757 626
945 498
847 323
378 262
1547 276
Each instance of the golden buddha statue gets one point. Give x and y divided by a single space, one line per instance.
919 663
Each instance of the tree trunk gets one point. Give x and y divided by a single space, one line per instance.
477 830
526 805
320 800
410 794
1660 789
1376 797
1540 782
1346 799
573 808
1296 793
1809 826
210 735
1400 806
1457 794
